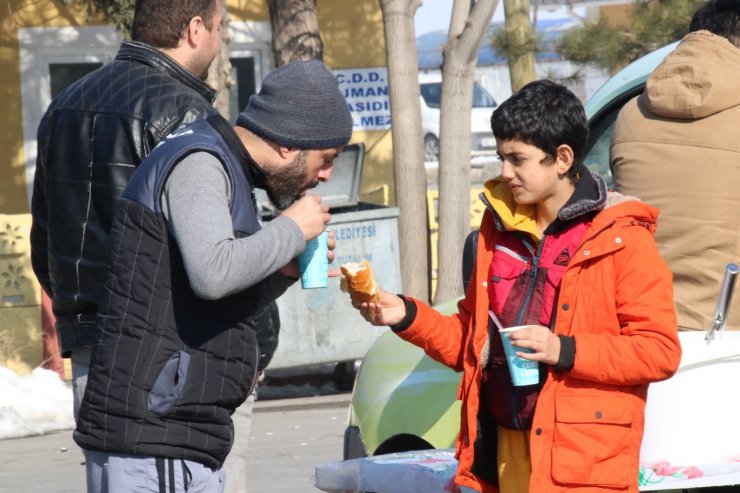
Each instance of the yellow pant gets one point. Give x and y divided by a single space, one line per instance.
514 466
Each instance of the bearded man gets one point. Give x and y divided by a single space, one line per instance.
190 270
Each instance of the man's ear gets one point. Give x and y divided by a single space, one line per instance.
193 30
287 153
564 158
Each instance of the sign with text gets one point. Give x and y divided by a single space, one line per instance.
366 92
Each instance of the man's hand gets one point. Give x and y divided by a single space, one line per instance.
332 244
311 214
292 271
541 340
390 310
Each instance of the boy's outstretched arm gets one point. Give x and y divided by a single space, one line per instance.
442 337
390 310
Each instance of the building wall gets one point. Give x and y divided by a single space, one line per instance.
19 14
344 27
353 36
352 32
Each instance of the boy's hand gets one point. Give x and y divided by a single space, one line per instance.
541 340
390 310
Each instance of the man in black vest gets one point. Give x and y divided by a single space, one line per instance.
190 269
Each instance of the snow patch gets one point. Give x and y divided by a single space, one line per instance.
35 404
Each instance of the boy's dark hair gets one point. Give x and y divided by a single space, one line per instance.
720 17
546 115
160 23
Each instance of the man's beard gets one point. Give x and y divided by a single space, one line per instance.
285 183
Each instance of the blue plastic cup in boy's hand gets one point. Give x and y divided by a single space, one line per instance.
313 262
523 371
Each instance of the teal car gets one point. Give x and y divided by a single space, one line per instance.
604 105
402 399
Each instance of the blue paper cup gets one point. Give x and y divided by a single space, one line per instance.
523 371
313 262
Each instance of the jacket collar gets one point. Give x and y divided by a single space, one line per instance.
589 197
143 53
254 173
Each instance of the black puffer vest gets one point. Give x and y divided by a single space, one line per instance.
170 367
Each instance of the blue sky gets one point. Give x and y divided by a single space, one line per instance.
434 15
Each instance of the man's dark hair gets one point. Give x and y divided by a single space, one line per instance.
546 115
720 17
160 23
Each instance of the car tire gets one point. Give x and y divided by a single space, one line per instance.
344 375
403 442
431 148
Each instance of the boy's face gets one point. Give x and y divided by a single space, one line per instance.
535 177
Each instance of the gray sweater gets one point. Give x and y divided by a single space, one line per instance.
195 204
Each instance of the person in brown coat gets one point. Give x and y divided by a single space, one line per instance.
677 147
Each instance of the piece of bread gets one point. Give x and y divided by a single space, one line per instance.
360 282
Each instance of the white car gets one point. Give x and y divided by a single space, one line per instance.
480 119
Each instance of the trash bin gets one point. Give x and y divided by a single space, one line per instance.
320 325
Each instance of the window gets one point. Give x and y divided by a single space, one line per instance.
601 127
481 98
61 75
432 94
243 74
53 58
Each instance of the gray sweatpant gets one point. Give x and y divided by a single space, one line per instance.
235 465
120 473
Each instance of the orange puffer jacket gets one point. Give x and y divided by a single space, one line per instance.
616 300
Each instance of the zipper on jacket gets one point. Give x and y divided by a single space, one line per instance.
523 308
536 254
532 279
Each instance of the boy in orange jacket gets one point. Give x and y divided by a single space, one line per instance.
579 267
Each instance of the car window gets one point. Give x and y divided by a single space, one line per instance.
431 93
597 149
481 98
601 127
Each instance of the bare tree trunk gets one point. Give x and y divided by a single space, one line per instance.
520 34
408 157
295 31
219 73
467 27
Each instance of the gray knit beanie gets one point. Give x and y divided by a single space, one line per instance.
299 105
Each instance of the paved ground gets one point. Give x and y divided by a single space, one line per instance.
289 437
